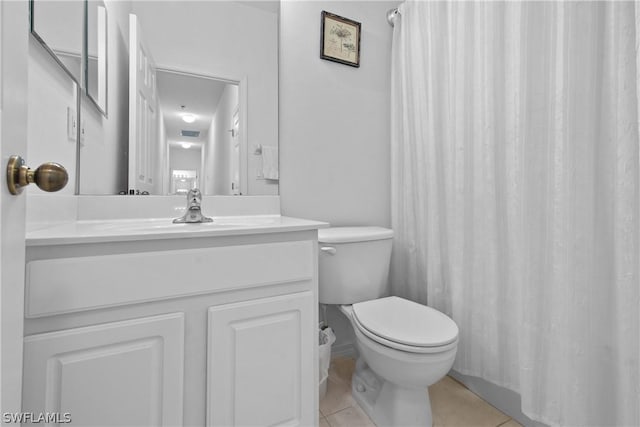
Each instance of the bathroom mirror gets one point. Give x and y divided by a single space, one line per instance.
218 59
96 58
59 27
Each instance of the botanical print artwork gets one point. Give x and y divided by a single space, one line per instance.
341 39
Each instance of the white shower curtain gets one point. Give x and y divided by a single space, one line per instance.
515 195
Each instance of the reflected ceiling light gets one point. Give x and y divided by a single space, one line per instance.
186 145
188 118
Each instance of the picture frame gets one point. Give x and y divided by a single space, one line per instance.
340 39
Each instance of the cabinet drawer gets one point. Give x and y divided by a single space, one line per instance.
65 285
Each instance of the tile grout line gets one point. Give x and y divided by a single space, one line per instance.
344 409
481 398
335 412
335 376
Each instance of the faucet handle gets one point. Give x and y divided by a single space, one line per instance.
194 198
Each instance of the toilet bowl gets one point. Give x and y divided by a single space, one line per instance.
391 378
403 346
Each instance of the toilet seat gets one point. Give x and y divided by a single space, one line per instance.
405 325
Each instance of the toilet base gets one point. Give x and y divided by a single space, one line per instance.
388 404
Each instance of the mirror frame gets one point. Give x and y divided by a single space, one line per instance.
101 51
44 44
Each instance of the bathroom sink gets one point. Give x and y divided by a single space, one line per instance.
91 231
160 224
155 225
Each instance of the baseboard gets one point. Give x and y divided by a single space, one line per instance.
505 400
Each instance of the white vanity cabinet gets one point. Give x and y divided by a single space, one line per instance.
260 365
213 330
120 373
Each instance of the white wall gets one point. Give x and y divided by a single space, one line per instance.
50 92
334 119
62 39
334 124
103 155
48 17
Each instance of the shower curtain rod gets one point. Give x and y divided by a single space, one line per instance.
391 16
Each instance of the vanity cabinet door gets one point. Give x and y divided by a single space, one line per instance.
127 373
261 364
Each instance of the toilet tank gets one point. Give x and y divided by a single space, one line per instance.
353 264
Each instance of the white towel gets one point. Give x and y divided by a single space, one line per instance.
270 162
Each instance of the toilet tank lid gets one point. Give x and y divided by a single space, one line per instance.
353 234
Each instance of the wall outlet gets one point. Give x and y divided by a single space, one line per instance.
72 124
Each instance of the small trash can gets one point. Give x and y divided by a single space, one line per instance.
326 339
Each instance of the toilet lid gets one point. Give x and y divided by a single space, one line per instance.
406 322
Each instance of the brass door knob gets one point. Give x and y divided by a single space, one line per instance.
48 176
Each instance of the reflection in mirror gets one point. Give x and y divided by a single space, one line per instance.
59 25
184 129
200 123
96 66
233 42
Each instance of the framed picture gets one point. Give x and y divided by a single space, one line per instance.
340 39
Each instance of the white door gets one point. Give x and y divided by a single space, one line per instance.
260 362
14 37
127 373
143 110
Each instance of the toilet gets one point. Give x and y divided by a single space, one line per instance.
403 346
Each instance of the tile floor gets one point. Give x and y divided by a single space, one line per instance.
452 404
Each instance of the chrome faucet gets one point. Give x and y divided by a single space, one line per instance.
194 211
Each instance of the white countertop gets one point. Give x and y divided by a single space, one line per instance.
126 230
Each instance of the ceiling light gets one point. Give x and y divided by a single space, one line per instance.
188 118
186 145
